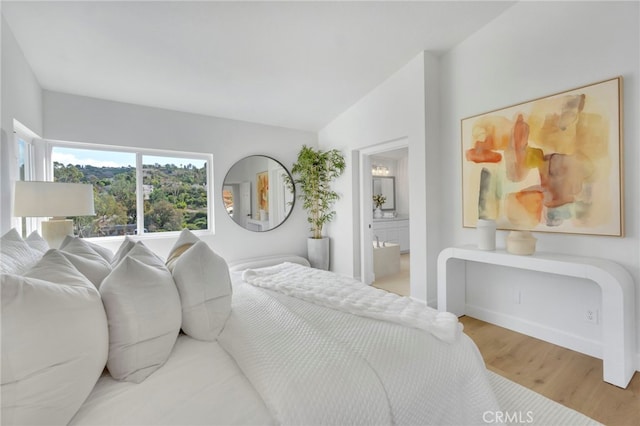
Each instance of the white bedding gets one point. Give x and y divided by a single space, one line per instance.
312 365
200 384
281 360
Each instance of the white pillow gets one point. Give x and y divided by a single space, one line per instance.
36 242
143 311
185 237
102 251
15 254
203 281
86 260
54 342
123 250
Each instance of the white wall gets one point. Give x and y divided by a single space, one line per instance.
21 98
532 50
81 119
394 110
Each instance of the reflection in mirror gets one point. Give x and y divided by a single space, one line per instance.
256 194
385 185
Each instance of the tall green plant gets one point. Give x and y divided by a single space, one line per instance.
313 172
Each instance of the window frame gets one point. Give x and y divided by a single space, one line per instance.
139 153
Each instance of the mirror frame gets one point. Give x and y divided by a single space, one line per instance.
291 188
391 196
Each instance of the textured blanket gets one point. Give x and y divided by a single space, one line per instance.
317 366
349 295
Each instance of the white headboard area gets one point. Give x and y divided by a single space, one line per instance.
264 261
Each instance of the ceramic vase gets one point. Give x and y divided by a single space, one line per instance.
486 230
521 242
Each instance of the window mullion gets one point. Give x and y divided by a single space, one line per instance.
139 196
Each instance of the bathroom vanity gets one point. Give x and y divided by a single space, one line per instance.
393 230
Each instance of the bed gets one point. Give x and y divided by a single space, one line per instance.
298 346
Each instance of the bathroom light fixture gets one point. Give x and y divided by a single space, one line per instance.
55 200
378 170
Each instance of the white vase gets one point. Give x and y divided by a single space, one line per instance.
377 213
486 230
318 252
521 242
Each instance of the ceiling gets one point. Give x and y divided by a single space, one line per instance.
294 64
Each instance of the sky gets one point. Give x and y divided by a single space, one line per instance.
114 159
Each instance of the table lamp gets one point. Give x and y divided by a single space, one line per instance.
56 200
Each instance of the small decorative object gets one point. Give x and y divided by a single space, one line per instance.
521 242
378 201
486 234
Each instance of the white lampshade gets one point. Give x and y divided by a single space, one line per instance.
53 199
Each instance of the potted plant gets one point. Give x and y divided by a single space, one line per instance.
313 172
378 202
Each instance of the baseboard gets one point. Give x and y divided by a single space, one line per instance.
552 335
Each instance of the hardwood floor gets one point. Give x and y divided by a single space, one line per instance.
567 377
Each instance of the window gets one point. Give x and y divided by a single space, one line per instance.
25 170
139 191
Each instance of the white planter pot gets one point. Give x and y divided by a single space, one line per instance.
318 252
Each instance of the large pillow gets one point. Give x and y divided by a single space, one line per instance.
54 342
143 311
36 242
203 281
15 254
123 250
185 240
86 260
102 251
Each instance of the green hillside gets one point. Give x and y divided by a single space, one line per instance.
175 197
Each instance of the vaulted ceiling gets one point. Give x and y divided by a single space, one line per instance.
294 64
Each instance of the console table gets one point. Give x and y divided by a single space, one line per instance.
618 301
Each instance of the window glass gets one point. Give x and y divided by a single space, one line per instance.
175 193
22 175
113 176
174 190
22 153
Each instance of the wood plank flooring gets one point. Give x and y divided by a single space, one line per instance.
565 376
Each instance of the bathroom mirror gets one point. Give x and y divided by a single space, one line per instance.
256 194
385 185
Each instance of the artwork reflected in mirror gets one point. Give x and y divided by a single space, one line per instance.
256 194
385 186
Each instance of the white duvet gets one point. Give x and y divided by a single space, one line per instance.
284 360
312 365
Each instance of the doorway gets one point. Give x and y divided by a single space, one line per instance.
385 239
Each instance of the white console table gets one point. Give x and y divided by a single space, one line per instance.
618 301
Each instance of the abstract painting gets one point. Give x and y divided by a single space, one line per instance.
262 190
551 164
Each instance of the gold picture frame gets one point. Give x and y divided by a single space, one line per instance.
552 164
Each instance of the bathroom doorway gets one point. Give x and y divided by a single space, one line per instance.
385 234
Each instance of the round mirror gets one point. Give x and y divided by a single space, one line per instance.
256 193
